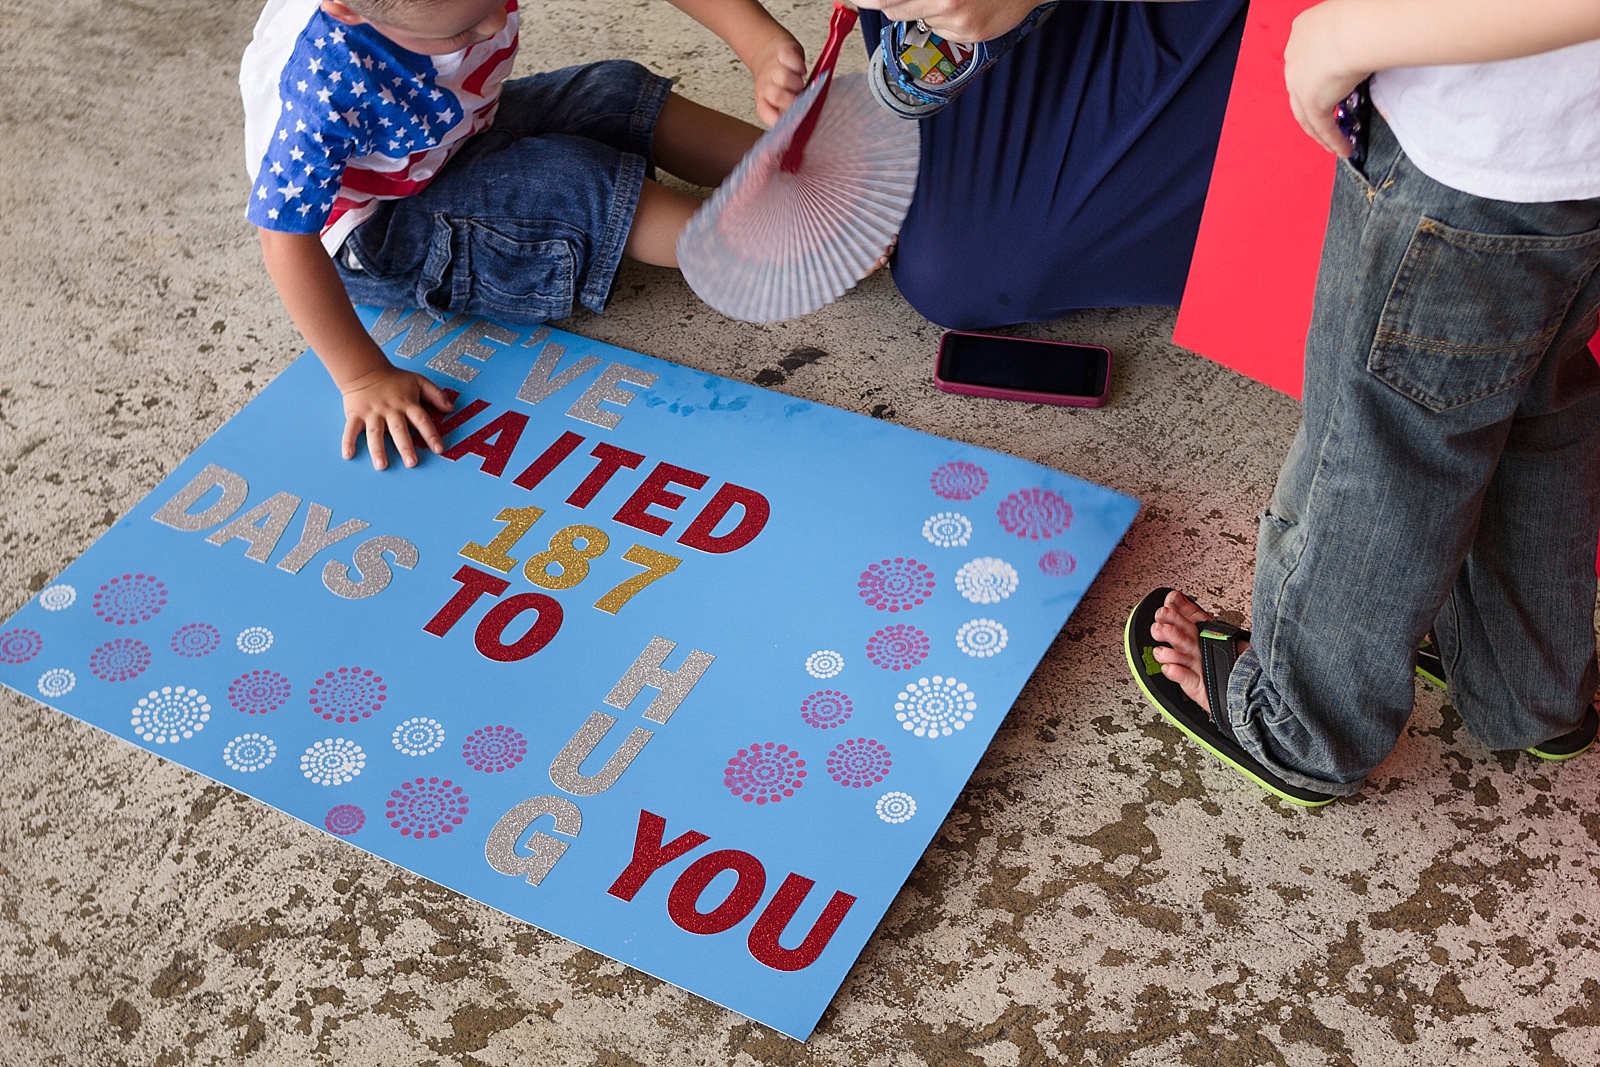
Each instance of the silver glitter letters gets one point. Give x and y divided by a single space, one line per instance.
647 670
395 321
566 772
368 561
542 379
543 850
605 388
469 342
262 526
175 512
315 536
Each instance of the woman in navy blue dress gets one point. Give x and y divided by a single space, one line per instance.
1070 174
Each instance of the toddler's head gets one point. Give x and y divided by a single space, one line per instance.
428 27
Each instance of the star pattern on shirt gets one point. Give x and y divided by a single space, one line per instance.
346 94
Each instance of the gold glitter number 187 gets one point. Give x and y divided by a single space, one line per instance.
570 561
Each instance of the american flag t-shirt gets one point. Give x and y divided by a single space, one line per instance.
338 118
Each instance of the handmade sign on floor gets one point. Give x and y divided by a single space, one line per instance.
683 670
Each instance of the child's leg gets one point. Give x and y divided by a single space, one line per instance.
1434 312
1518 629
661 215
698 144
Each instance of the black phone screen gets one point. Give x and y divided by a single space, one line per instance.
1020 363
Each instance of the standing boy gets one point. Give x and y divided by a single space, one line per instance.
1446 474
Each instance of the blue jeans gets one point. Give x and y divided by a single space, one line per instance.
1446 474
530 215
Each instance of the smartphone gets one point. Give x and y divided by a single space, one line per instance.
1018 368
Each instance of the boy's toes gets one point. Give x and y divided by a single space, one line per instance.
1186 608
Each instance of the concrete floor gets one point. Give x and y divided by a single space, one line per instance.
1101 895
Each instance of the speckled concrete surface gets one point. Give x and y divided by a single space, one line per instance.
1101 895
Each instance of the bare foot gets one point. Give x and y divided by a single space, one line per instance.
1178 624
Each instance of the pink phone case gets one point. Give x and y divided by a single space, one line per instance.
1027 395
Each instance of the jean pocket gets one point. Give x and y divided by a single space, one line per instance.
1470 314
519 269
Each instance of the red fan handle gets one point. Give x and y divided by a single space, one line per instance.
839 27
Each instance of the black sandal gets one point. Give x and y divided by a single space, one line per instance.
1219 651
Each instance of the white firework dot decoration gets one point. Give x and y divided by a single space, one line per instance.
418 736
58 597
254 640
935 707
172 713
333 761
948 529
981 637
896 807
56 682
986 580
824 663
249 752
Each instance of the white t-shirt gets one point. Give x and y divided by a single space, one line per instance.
1525 130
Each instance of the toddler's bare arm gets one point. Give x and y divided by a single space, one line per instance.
379 397
761 43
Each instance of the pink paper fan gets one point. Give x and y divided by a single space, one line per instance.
773 243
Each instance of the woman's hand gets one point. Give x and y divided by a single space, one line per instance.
963 21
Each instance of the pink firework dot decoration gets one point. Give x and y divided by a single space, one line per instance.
858 764
131 599
20 645
897 584
765 772
426 807
1035 514
344 819
494 748
959 480
826 709
258 692
348 694
1057 564
899 647
196 639
119 659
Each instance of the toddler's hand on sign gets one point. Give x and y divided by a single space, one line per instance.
780 74
1317 76
391 401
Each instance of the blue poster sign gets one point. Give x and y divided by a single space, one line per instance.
683 670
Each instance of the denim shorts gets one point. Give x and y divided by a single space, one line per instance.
531 214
